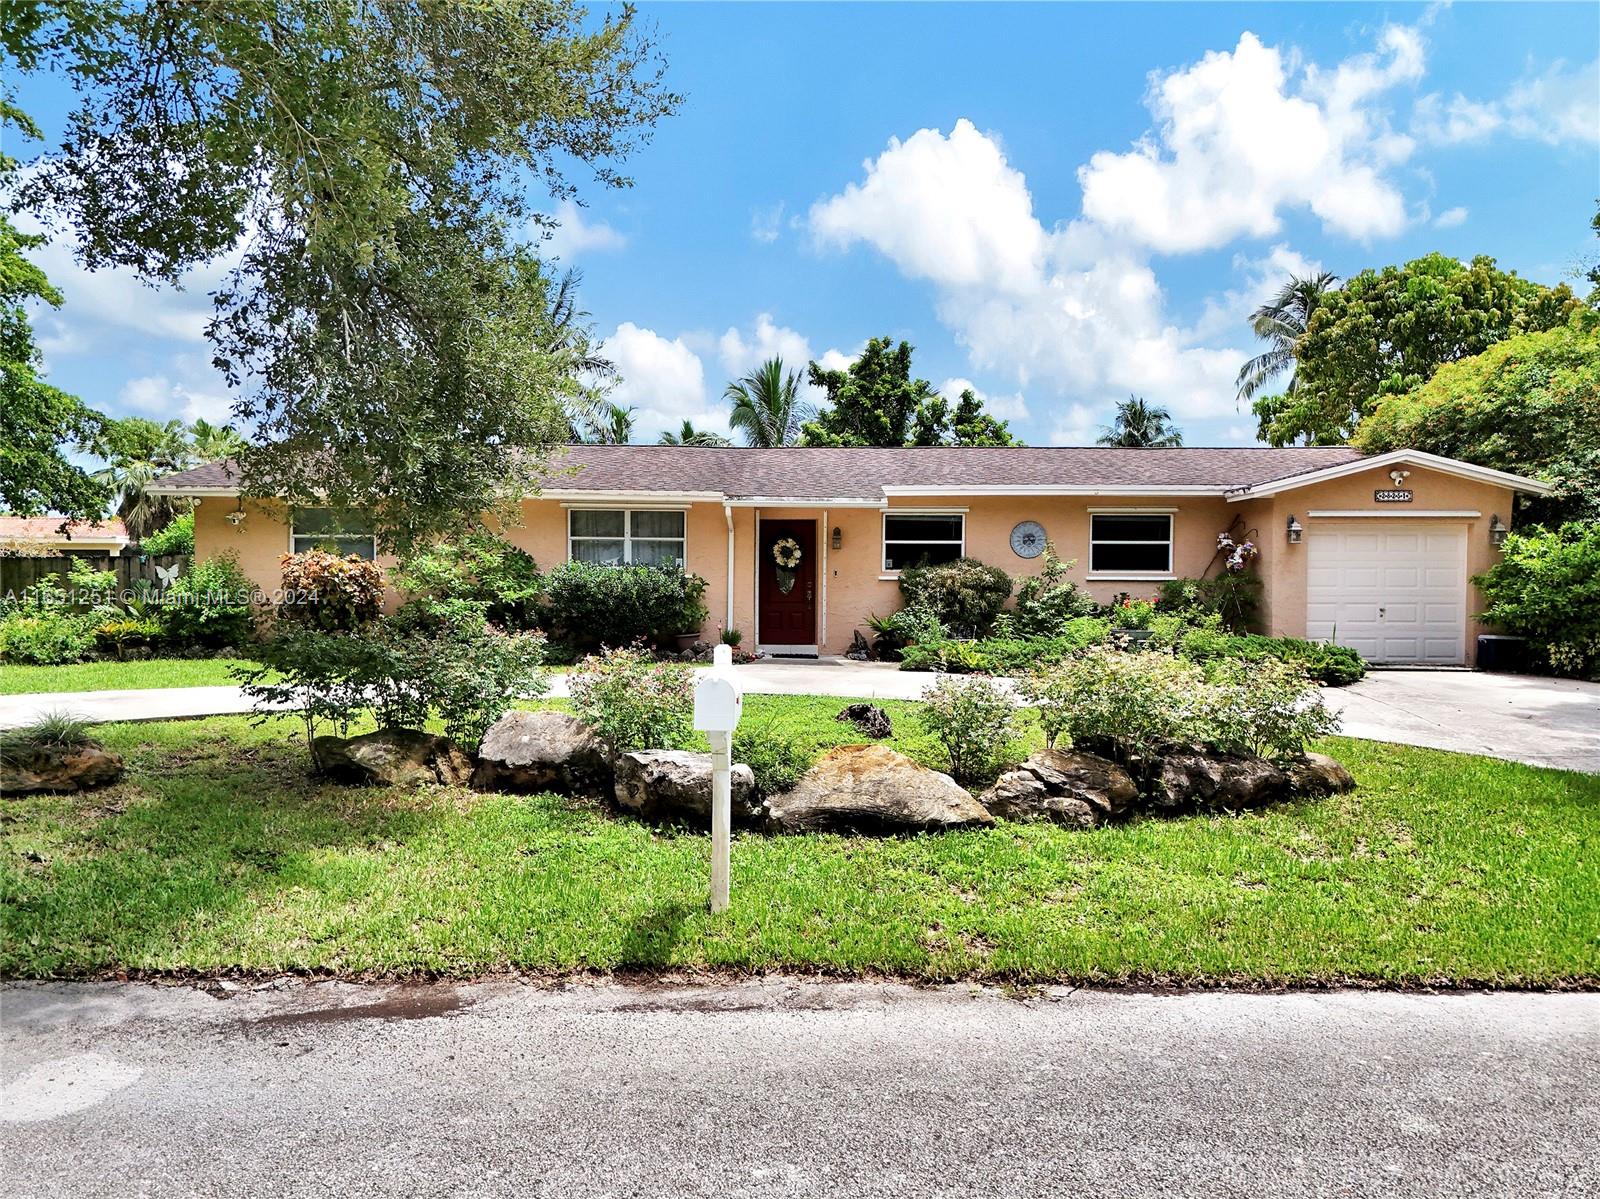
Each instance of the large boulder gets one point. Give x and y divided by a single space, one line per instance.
1318 775
1189 777
873 789
393 758
543 751
869 719
1077 789
30 770
673 786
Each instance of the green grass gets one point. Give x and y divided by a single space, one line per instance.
117 676
219 853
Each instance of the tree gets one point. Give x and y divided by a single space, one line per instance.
392 336
138 452
612 424
689 435
1386 332
767 407
214 443
875 401
1281 323
1140 425
38 422
1529 404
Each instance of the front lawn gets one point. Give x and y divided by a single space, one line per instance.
117 676
220 854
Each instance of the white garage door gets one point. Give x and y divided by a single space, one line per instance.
1393 591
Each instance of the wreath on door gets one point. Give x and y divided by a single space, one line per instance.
786 554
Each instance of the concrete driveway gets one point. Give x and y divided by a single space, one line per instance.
1545 722
789 1088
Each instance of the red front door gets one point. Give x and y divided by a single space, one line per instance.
788 593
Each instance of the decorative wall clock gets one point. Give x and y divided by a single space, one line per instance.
1027 539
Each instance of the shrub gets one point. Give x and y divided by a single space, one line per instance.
49 636
1547 588
1334 665
1235 596
323 677
1048 600
634 702
330 591
1265 708
479 570
1125 612
209 606
591 605
474 673
134 632
965 595
51 731
975 720
177 537
776 758
732 638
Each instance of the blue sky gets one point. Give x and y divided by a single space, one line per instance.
1059 205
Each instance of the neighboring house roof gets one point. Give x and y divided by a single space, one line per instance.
24 530
869 476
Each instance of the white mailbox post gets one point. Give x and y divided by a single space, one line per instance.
718 702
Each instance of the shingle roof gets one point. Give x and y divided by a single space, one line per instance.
862 474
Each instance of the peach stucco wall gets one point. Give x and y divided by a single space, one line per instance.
853 584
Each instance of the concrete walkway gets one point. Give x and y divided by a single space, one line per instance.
1541 721
786 1088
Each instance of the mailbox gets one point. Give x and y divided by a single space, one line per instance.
718 698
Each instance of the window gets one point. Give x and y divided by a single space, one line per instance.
1131 543
620 536
332 530
922 539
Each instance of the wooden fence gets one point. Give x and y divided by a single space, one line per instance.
18 573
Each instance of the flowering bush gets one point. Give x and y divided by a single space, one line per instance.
976 722
1266 708
1129 613
330 591
1236 555
634 702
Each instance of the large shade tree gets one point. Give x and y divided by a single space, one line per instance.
875 401
376 169
1140 425
1386 332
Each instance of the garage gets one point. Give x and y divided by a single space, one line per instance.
1395 591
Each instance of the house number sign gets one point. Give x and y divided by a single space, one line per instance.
1392 495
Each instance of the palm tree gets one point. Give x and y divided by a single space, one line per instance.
139 451
767 407
1281 322
612 424
1141 426
214 443
689 435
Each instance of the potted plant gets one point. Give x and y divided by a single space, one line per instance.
1130 619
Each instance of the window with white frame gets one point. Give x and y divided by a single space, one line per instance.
626 536
922 538
1130 543
333 530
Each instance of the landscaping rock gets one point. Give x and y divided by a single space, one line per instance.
673 786
543 751
872 720
55 768
393 758
1189 777
873 789
1068 788
1318 774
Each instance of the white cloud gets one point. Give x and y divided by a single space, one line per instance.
1450 218
1560 105
1010 407
837 360
943 208
1077 425
766 223
163 398
663 379
1242 136
768 339
574 234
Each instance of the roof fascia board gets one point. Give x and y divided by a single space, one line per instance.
1447 466
198 493
1022 489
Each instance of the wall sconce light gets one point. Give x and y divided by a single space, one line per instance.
1296 531
837 538
1497 531
236 517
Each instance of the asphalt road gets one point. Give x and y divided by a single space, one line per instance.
784 1088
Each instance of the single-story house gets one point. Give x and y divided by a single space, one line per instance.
1374 552
46 536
